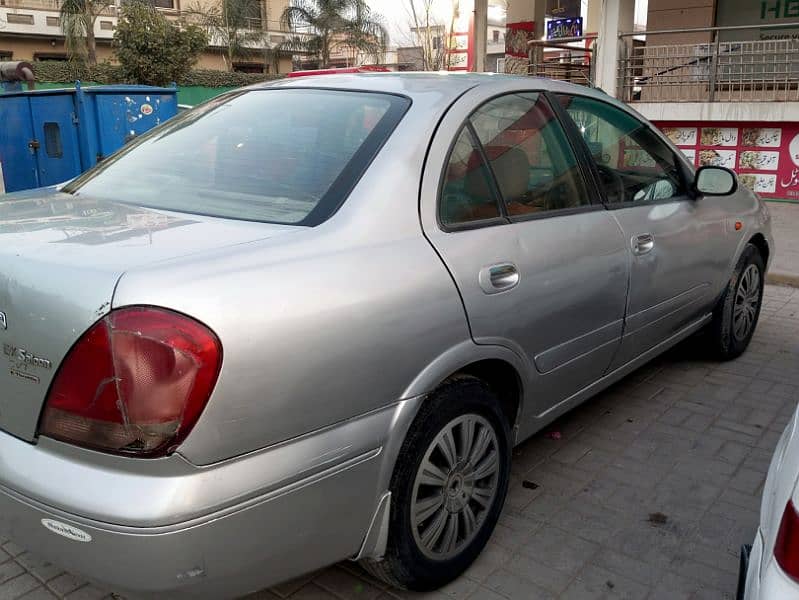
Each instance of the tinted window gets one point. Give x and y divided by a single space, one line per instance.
634 164
283 156
468 192
529 154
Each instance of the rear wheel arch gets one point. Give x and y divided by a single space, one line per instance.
504 381
497 366
759 241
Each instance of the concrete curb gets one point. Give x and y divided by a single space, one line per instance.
782 278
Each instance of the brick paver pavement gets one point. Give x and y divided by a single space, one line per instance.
649 492
784 225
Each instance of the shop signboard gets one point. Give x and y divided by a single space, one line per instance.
516 37
765 155
565 28
755 13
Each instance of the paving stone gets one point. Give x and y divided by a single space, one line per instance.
748 480
636 569
40 593
674 587
491 559
18 587
13 549
591 522
89 592
704 574
543 575
38 567
10 570
559 549
262 595
284 590
66 583
312 591
545 505
733 452
595 582
675 416
513 587
741 499
698 422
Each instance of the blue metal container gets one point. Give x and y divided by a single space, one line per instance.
50 136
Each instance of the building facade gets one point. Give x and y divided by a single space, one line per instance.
30 30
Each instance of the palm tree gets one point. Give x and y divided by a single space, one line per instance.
235 25
77 24
330 24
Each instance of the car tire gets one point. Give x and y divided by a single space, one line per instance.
444 469
736 315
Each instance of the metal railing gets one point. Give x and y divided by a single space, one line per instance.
765 70
556 59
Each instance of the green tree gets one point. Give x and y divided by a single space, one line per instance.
151 49
77 24
233 25
330 24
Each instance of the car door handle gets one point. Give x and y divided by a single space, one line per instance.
643 243
499 278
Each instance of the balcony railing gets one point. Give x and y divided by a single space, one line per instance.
557 59
764 70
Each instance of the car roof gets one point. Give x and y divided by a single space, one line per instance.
412 84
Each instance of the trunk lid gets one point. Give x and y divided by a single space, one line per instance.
60 259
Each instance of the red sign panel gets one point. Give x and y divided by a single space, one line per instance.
765 155
516 37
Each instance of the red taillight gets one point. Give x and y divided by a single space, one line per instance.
786 548
135 383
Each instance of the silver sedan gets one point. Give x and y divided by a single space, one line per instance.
307 321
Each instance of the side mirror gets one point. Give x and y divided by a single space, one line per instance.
715 181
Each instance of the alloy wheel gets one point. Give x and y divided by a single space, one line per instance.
747 299
455 487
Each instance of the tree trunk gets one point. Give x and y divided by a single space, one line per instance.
91 43
325 51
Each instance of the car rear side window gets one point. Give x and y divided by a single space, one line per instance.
468 194
276 155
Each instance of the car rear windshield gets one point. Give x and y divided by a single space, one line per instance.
276 155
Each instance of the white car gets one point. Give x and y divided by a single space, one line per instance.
771 565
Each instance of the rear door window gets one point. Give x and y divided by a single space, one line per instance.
530 155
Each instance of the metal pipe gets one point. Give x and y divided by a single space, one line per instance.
709 29
564 40
560 46
17 71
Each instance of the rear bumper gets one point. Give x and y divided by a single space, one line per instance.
287 530
764 579
251 548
